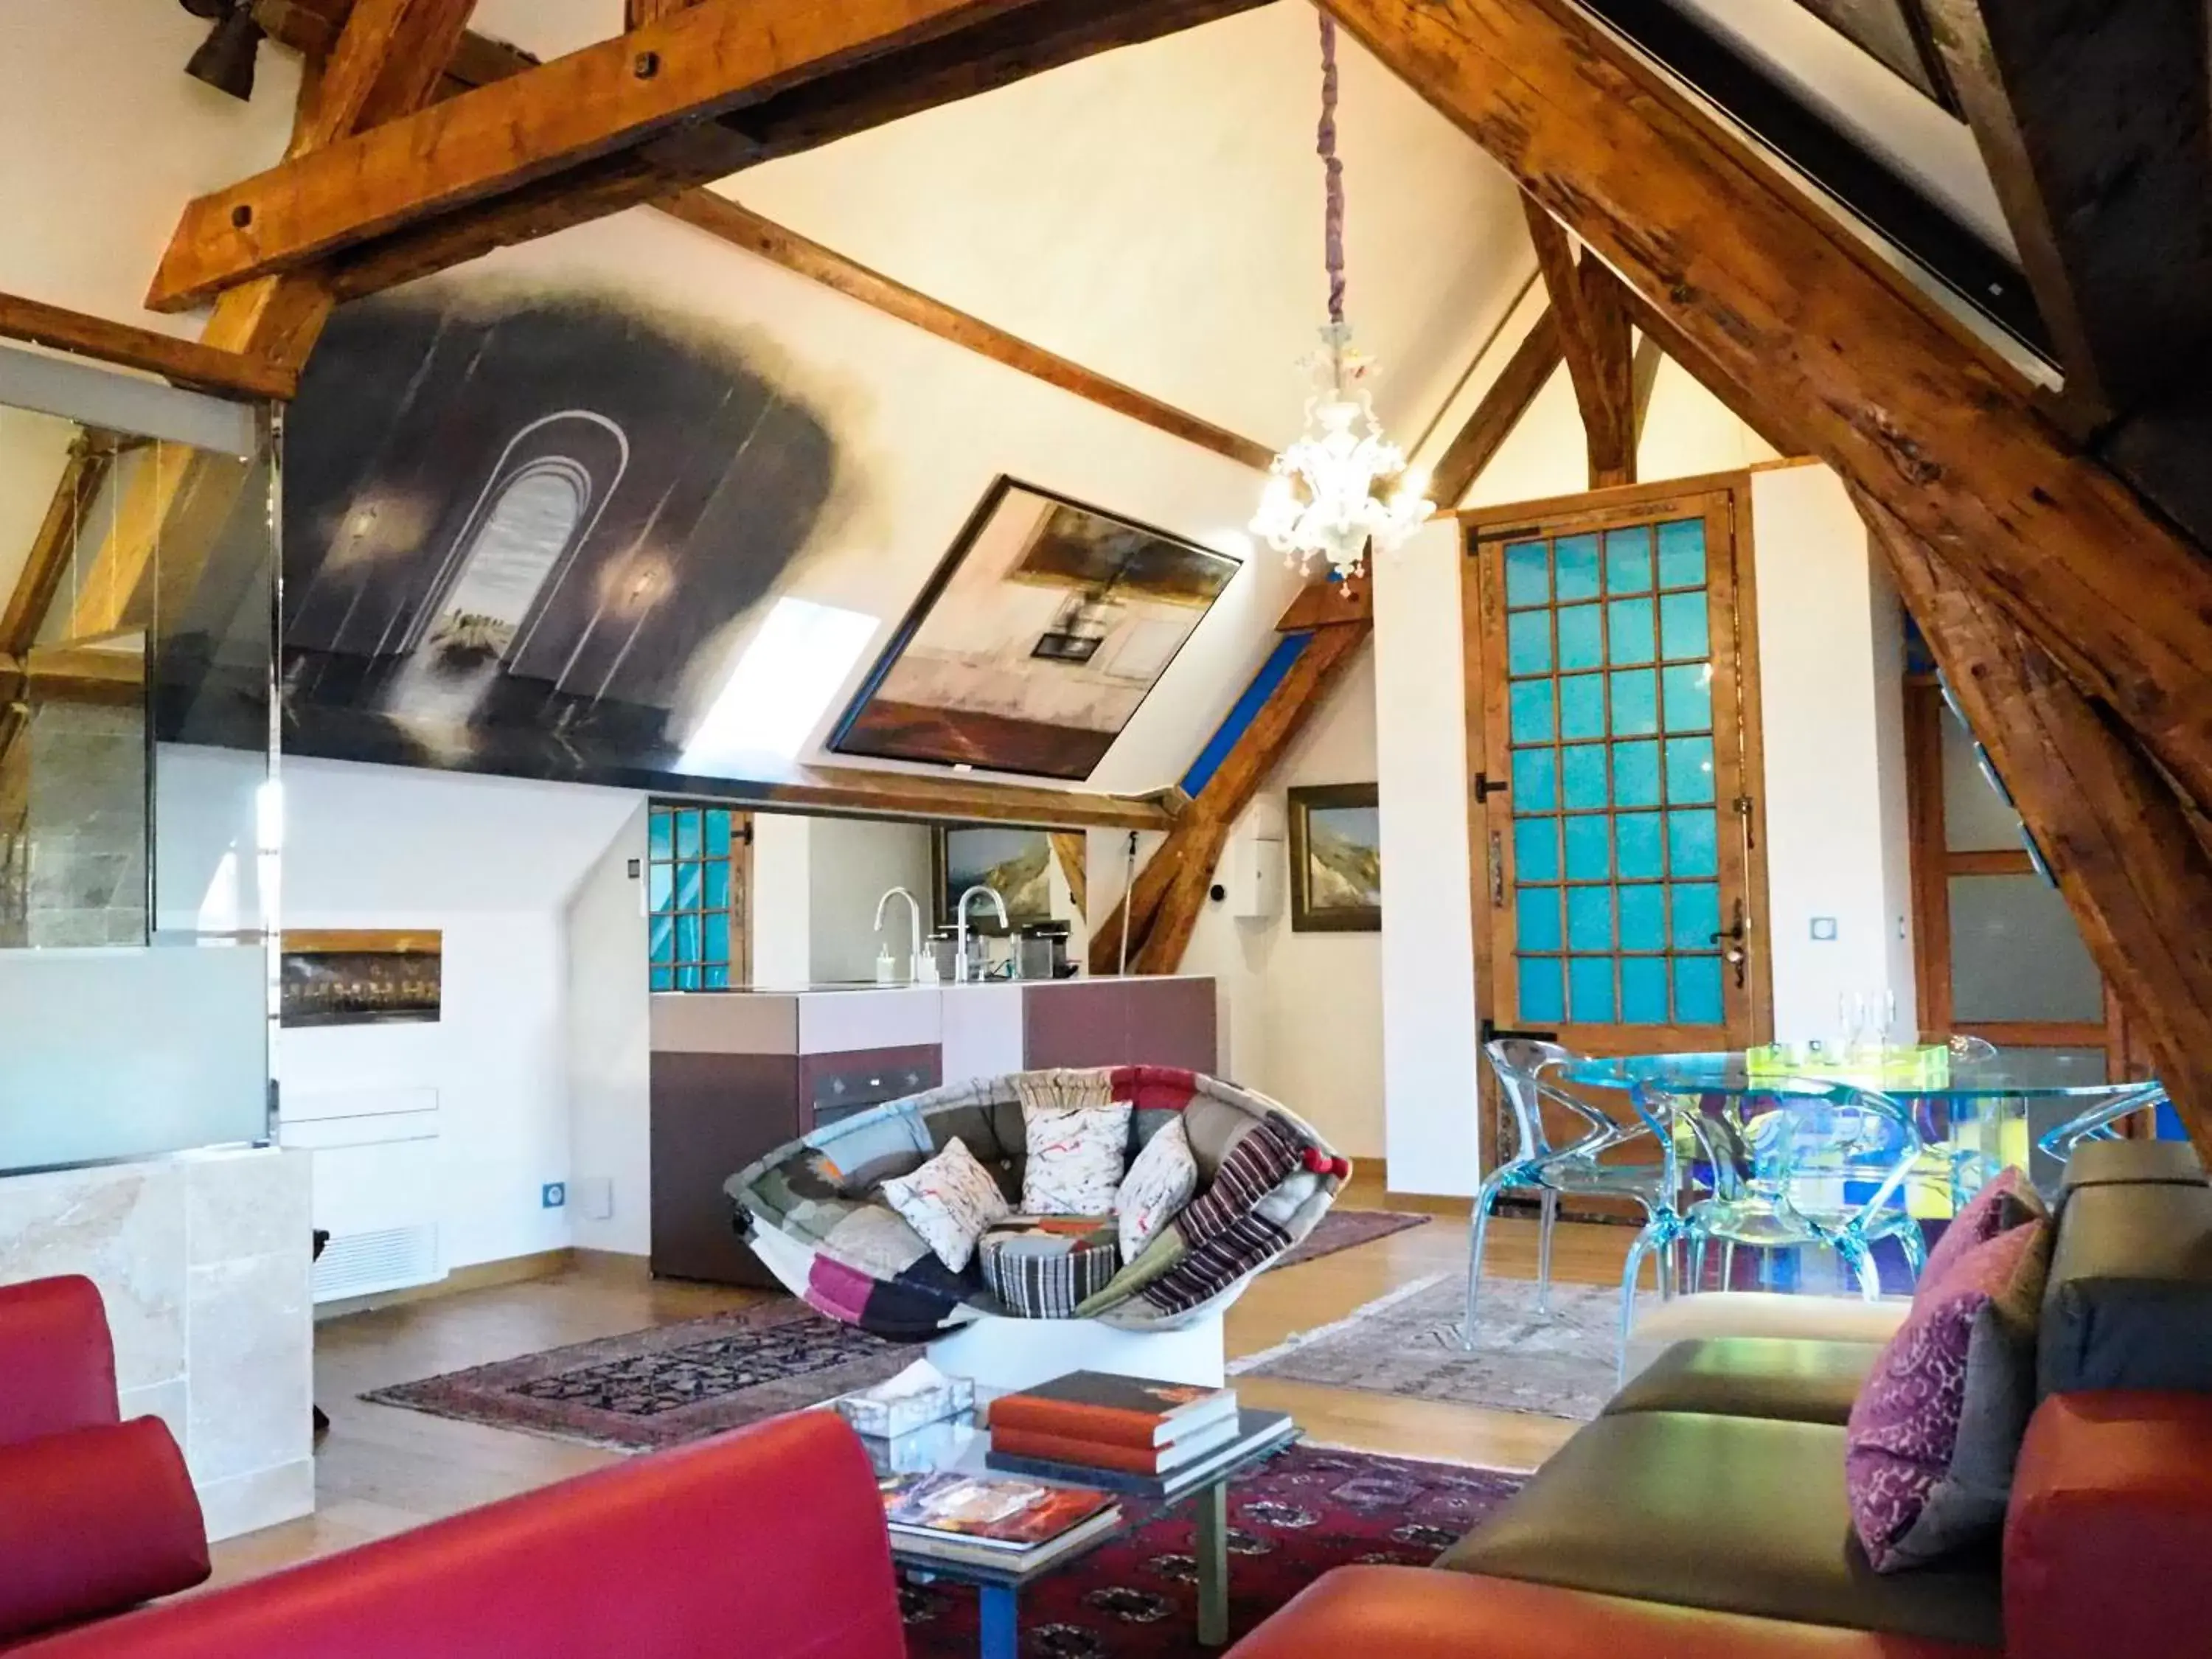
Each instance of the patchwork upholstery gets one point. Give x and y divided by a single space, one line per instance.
1265 1180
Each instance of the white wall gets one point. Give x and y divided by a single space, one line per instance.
606 1020
853 862
1831 664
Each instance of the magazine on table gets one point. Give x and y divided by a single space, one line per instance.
1005 1513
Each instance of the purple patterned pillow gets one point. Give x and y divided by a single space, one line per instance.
2005 1201
1933 1437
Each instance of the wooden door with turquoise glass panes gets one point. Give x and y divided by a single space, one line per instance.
698 876
1615 821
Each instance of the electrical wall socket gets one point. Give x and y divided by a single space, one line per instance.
553 1195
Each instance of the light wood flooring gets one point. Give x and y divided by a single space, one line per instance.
382 1470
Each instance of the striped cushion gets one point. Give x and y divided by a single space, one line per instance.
1044 1269
1212 1267
1255 1164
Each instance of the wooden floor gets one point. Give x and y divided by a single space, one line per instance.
382 1470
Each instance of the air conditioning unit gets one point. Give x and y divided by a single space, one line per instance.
378 1178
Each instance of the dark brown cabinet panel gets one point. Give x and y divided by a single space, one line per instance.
1122 1022
712 1115
1172 1022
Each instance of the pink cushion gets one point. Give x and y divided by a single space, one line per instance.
2005 1201
1934 1434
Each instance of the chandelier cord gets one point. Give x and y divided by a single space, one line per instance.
1332 221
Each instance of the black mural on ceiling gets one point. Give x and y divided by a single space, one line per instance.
514 522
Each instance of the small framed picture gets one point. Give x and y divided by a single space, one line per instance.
1336 859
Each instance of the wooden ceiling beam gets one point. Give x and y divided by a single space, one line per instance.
1532 364
2096 126
1790 308
917 795
2135 875
680 102
181 362
1592 315
91 457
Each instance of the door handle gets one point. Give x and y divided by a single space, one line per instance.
1736 953
1490 1032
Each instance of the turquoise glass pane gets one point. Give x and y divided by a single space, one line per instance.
717 978
1693 843
1543 999
718 885
1590 988
1589 852
1689 770
1689 697
1682 553
1636 774
1582 706
1536 919
1636 839
1581 776
687 979
1536 849
662 946
1535 781
1642 919
687 939
657 834
718 832
1643 990
1574 566
1528 574
1528 642
1628 561
717 940
1589 918
1531 701
1682 627
1631 622
687 887
1698 990
663 980
1635 703
1581 640
687 835
659 883
1697 914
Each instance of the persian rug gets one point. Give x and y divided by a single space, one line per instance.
663 1387
1556 1364
1291 1520
1342 1230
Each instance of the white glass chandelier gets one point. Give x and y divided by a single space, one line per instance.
1343 486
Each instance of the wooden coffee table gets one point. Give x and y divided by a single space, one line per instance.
1261 1436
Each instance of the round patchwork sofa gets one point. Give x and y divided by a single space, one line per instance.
818 1213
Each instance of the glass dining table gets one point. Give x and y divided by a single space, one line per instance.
1974 1113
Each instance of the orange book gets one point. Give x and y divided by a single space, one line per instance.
1097 1455
1100 1409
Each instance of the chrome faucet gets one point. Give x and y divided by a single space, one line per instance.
914 928
960 936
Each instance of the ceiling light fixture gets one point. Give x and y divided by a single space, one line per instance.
225 59
1343 486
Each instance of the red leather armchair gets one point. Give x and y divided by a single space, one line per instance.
768 1543
96 1515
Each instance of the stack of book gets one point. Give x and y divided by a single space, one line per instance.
989 1521
1123 1432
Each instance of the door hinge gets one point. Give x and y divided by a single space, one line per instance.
1485 787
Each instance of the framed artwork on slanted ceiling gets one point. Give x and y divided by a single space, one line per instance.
1039 635
1336 858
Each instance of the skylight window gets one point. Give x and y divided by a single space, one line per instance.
781 685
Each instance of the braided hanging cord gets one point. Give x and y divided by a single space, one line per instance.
1334 169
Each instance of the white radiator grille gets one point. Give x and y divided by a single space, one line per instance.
356 1264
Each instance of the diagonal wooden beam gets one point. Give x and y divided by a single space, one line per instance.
1170 893
1588 301
2135 875
720 216
182 362
681 101
1526 371
2096 126
1787 306
1659 330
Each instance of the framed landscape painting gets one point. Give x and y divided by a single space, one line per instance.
1036 640
1336 859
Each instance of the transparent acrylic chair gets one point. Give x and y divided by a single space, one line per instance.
1795 1164
1581 1169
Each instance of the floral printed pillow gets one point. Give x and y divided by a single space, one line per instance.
949 1201
2005 1201
1077 1154
1160 1182
1933 1437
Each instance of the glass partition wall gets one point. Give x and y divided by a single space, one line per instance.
139 819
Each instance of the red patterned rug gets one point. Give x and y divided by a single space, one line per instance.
1340 1230
1290 1520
